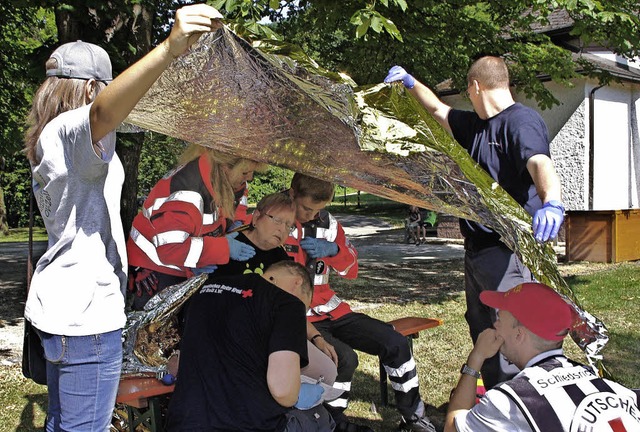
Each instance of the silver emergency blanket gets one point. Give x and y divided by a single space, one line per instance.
269 102
150 335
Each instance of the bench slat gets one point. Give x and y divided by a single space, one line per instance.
135 391
412 325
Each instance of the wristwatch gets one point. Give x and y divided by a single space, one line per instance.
469 371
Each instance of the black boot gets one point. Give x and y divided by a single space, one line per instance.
418 422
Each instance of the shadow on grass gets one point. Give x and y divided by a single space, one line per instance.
426 283
29 420
366 393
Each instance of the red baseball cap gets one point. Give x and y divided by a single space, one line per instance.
538 307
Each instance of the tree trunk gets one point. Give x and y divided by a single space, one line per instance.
4 226
128 148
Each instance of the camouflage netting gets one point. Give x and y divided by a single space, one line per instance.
271 103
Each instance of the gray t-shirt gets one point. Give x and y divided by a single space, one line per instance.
78 285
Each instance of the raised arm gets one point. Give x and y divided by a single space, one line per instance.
115 102
438 109
464 395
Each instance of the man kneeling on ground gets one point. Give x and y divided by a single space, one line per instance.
243 345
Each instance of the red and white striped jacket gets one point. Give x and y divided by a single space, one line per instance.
180 227
325 303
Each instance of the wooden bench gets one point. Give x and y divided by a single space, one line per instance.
140 396
411 328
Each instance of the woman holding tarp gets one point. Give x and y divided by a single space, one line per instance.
76 299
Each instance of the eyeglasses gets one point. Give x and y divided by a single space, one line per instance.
466 92
280 222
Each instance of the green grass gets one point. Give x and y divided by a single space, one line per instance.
614 297
23 402
386 292
429 290
434 290
22 235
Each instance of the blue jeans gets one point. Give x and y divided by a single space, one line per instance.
83 373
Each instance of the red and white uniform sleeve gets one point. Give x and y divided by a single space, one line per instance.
345 262
177 229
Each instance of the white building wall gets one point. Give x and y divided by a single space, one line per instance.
569 146
615 176
569 153
634 137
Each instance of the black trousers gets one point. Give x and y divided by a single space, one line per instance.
494 268
356 331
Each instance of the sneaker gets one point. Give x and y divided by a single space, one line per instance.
416 424
347 426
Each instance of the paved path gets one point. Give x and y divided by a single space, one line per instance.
377 240
13 276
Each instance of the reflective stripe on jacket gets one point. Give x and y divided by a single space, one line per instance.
325 303
179 226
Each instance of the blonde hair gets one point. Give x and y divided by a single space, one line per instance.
490 71
224 195
54 96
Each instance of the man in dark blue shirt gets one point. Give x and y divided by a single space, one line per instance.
510 141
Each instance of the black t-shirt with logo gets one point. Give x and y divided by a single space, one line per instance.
234 324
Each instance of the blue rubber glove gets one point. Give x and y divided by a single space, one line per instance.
234 226
547 221
309 395
318 248
206 269
397 73
237 250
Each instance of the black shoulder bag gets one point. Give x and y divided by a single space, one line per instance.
34 365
